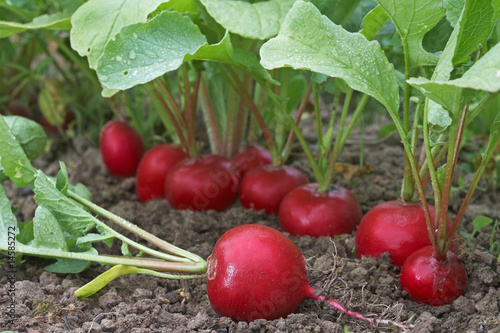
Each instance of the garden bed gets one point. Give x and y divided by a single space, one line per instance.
138 303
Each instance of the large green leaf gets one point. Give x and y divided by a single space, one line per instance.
261 20
96 22
309 40
14 161
57 21
483 75
476 25
413 19
143 51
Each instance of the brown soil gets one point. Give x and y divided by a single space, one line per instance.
139 303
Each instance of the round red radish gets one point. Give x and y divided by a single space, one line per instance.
256 272
153 169
252 157
307 212
395 227
202 183
121 148
430 281
266 186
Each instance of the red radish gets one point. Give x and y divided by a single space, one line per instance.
153 169
430 281
265 187
202 183
395 227
252 157
256 272
121 148
305 211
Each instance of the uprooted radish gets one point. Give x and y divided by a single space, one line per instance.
256 272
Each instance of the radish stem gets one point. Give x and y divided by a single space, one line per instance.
214 135
374 321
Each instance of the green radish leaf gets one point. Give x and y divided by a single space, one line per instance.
494 138
8 221
138 56
181 6
103 236
309 40
13 159
29 134
225 53
496 5
141 52
476 25
26 233
71 266
47 231
437 115
62 180
413 19
454 9
479 223
57 21
125 250
483 75
261 20
373 22
329 8
96 22
73 219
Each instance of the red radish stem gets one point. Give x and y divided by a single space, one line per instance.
338 306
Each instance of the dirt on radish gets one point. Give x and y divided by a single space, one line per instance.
45 301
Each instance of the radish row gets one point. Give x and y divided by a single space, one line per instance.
255 272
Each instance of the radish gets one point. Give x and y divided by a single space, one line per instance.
121 148
265 187
252 157
395 227
306 211
202 183
153 169
256 272
430 281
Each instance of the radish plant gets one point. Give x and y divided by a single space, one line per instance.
451 89
63 219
